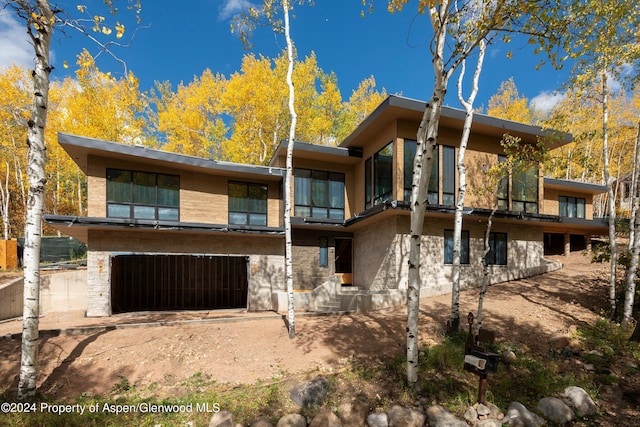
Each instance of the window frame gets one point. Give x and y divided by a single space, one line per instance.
530 199
578 204
249 212
464 244
433 196
329 204
492 255
143 202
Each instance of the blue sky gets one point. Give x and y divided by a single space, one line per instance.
184 38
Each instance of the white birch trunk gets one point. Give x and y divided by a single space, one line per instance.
462 188
634 239
611 200
289 175
427 138
41 37
5 197
635 200
485 268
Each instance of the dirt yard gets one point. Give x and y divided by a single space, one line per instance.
237 347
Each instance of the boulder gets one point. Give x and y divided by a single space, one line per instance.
262 422
292 420
310 393
555 410
325 418
403 417
222 419
580 401
440 417
377 419
352 414
519 416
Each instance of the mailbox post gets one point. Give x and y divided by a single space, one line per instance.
479 361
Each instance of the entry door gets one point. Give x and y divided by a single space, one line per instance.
344 260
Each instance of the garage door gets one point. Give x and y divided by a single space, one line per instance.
177 282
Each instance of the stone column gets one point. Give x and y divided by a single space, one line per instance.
588 242
567 244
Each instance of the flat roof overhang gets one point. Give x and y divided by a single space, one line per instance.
319 153
78 227
399 108
80 148
595 227
578 186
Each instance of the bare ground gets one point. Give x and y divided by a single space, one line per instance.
239 347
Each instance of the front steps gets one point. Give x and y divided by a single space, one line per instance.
346 301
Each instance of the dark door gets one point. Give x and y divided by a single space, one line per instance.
177 282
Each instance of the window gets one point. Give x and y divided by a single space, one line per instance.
497 249
324 252
318 194
448 247
572 207
247 203
378 176
525 191
503 188
409 155
448 175
143 195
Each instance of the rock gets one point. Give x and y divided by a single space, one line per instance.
559 342
508 357
580 401
495 411
440 417
555 410
352 414
325 418
310 393
403 417
222 419
471 415
519 416
262 422
292 420
483 410
378 419
489 423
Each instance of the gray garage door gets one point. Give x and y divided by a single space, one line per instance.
177 282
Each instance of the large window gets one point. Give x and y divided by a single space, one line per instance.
503 188
143 195
247 203
525 191
448 175
497 249
378 176
318 194
448 247
409 155
572 207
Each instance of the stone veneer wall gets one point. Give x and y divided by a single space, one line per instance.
266 260
382 254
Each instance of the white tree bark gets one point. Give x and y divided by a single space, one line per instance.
289 175
40 29
427 137
634 238
485 268
610 196
635 200
5 197
462 179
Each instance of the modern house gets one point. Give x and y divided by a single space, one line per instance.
172 232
